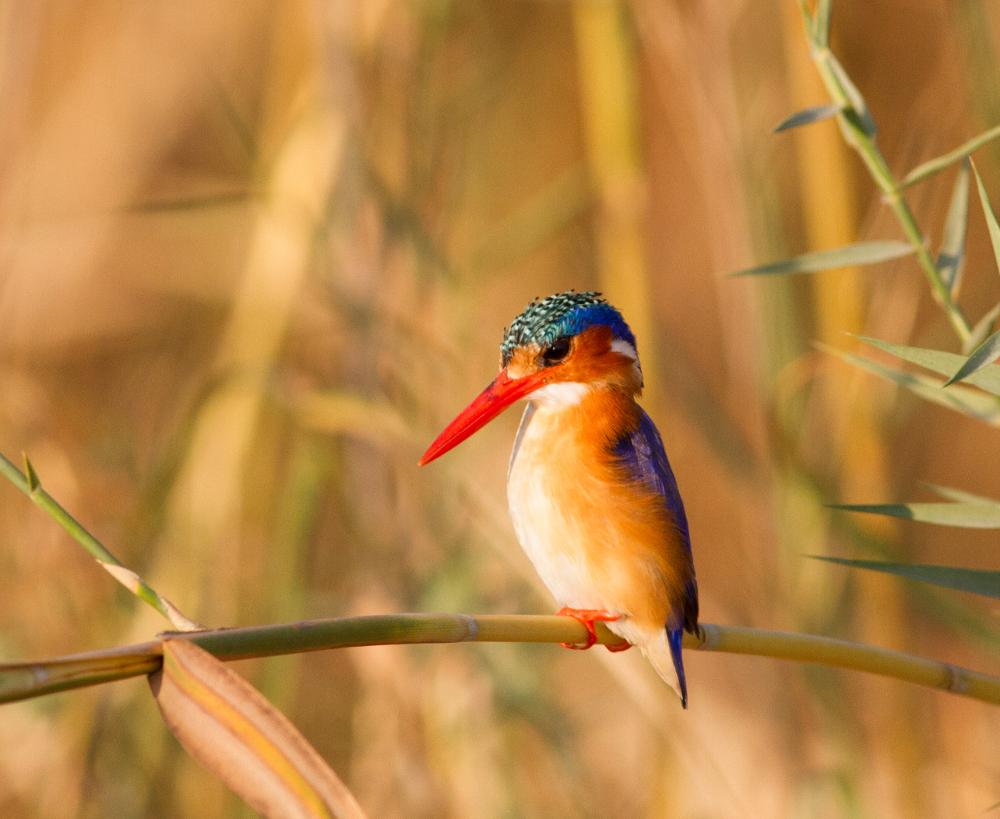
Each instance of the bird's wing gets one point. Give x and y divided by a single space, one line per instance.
641 453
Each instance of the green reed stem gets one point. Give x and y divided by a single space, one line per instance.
20 681
858 132
29 483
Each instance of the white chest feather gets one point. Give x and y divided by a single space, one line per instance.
551 534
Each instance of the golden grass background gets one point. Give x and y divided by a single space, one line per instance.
254 255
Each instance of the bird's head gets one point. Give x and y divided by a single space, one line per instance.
556 352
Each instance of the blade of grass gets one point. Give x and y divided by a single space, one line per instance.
857 254
982 329
30 484
940 362
965 400
960 495
821 23
991 219
984 355
952 254
807 116
853 96
977 581
933 166
965 514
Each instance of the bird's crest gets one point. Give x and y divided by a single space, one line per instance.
564 314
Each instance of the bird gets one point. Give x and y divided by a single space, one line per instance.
592 497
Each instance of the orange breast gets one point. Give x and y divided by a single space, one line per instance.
598 538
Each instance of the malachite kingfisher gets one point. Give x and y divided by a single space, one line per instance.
592 496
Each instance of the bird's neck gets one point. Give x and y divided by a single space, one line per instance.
600 416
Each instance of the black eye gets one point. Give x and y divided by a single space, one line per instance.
556 351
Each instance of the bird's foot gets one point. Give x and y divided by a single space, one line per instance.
587 617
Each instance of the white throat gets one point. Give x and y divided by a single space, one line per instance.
564 394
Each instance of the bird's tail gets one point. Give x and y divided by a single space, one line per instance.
664 652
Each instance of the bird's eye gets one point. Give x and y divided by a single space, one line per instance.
556 351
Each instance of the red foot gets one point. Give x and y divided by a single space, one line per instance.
587 617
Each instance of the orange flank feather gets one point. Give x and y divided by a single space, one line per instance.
620 545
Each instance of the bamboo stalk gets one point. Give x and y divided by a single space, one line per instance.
21 681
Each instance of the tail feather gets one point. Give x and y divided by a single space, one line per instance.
664 653
674 640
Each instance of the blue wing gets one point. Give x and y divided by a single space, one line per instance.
641 453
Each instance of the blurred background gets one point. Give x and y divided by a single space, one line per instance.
254 255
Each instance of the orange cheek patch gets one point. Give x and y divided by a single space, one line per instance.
592 361
524 361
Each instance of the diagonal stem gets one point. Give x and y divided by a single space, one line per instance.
864 143
29 483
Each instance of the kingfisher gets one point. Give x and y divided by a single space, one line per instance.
593 499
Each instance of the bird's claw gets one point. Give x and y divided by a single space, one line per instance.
587 618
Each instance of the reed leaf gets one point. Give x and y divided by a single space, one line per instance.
857 102
982 329
984 355
977 581
933 166
991 219
960 398
988 378
857 254
964 514
952 253
231 728
960 495
807 116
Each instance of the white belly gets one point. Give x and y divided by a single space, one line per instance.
551 538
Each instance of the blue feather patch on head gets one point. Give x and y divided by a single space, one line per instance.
564 314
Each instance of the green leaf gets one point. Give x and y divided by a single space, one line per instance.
33 482
853 95
984 355
952 253
977 581
937 165
807 18
821 23
940 362
848 256
965 514
959 494
982 329
991 219
960 398
817 113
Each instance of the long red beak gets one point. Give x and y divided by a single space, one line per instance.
491 402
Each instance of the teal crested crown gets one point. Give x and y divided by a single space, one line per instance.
564 314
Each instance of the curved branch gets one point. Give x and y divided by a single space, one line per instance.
20 681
